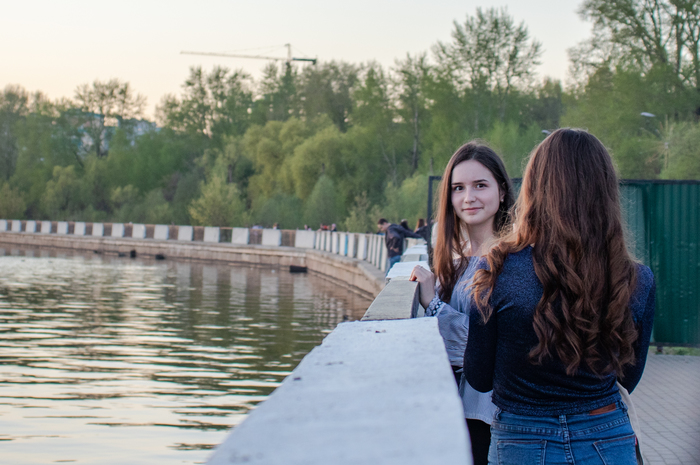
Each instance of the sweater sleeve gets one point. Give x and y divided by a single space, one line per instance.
644 322
454 329
480 354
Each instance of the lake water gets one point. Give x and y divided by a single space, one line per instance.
107 360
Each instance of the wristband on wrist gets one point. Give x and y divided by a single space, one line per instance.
434 306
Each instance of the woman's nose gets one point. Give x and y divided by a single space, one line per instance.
469 195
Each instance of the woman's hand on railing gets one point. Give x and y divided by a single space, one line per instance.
426 284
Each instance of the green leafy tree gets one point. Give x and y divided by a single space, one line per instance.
490 55
646 33
283 209
323 205
409 200
63 197
513 143
106 104
13 107
362 216
326 89
413 77
12 205
679 151
212 106
218 205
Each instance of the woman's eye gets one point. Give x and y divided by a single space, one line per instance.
457 188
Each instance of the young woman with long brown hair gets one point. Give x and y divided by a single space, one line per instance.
474 203
561 312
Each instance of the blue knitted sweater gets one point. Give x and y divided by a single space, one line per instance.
497 352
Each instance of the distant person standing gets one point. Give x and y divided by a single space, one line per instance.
395 234
422 229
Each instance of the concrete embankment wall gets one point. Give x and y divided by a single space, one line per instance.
356 274
378 391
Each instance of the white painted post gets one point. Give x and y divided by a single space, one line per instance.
79 228
117 230
3 225
161 232
98 229
138 231
335 242
212 234
384 257
343 243
240 236
31 226
326 241
304 239
361 252
352 238
45 227
62 227
272 237
372 248
185 233
16 226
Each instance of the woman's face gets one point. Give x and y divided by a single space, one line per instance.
475 194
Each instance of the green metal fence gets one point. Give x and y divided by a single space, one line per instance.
663 222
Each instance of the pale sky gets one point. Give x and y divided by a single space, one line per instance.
55 45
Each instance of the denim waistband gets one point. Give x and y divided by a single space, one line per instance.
575 424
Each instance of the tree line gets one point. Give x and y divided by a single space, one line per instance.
346 143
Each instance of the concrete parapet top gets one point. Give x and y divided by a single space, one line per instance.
379 392
398 300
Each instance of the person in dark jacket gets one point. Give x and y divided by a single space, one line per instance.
394 237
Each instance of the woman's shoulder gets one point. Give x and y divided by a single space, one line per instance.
518 260
645 280
645 277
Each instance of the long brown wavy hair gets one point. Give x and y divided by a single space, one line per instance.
569 209
448 246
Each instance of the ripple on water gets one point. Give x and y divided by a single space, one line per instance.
98 352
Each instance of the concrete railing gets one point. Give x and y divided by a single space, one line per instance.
367 247
377 391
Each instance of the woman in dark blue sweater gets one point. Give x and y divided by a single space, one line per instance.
561 312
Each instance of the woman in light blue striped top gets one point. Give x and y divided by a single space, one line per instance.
475 200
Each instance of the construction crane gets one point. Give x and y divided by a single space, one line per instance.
288 60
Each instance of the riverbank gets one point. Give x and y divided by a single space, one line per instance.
355 274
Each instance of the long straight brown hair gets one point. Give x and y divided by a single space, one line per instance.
448 256
569 208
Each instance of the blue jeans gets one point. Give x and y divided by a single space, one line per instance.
581 439
392 261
